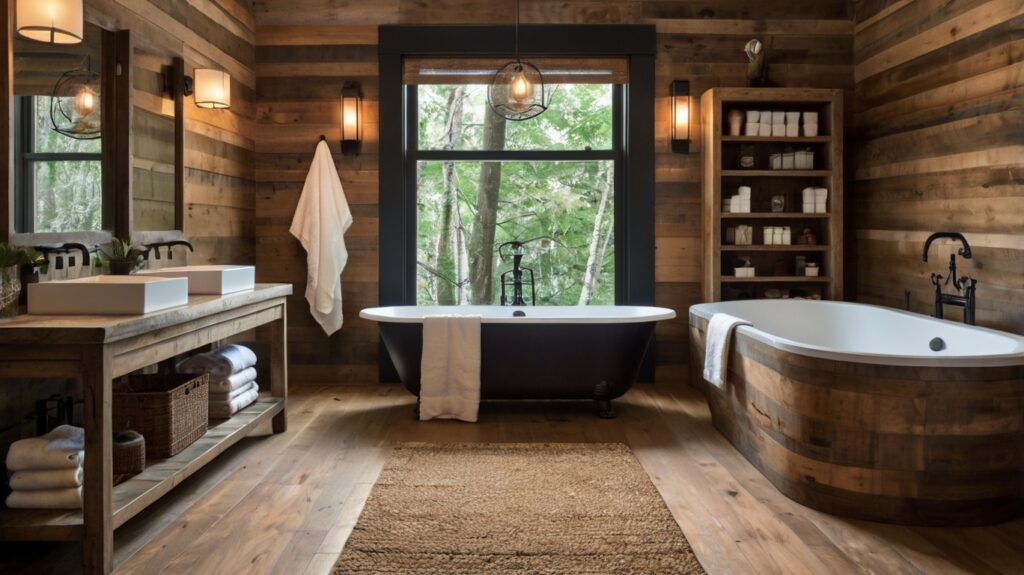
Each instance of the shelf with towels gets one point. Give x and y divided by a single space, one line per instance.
776 173
774 215
776 279
779 139
774 248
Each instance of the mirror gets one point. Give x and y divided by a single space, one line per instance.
58 136
154 198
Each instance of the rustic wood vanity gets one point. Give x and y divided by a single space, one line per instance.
97 349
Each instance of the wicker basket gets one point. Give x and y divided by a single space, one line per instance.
169 410
129 453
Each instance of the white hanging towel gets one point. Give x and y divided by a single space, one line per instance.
321 220
716 347
450 368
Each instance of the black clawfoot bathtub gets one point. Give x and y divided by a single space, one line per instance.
553 352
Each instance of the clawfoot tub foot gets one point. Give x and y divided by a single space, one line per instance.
605 410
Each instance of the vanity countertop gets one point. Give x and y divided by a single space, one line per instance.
85 329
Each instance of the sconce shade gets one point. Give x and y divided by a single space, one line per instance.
681 116
351 122
51 21
212 89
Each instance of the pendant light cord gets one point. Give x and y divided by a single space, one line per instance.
517 30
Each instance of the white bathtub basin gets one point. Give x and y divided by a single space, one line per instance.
107 295
215 280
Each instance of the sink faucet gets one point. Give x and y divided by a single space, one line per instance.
962 284
155 247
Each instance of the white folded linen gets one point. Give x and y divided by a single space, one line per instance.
778 130
718 341
220 363
751 129
753 117
234 382
225 409
35 480
228 396
450 368
59 449
70 498
764 130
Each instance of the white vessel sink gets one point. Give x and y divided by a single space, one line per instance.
107 295
216 280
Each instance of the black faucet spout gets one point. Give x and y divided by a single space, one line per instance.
965 250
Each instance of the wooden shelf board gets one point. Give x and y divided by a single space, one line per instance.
779 139
776 279
134 495
776 173
774 248
773 215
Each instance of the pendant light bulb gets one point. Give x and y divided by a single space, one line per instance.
85 101
521 89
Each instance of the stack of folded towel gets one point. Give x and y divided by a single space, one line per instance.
232 370
47 470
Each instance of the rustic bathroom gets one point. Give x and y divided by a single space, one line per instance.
325 287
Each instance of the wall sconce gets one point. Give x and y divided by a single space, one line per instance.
351 122
212 89
51 21
681 116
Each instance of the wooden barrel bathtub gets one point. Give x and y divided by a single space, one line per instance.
873 432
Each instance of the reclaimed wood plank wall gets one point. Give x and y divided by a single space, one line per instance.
306 49
939 109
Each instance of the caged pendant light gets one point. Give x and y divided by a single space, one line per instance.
517 91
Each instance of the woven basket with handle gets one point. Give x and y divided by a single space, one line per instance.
169 410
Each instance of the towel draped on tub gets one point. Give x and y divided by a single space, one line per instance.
450 368
718 342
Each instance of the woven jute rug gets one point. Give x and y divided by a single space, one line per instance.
515 508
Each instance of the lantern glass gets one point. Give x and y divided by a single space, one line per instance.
680 116
212 89
350 121
51 21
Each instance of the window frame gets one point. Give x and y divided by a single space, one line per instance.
634 170
26 157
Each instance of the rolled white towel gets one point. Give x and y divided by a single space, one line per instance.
28 480
222 397
59 449
220 363
225 409
70 498
234 382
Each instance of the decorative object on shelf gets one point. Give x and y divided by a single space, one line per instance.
517 91
804 159
122 257
757 66
74 106
212 89
775 293
681 116
746 157
351 120
810 124
51 21
745 269
811 270
169 410
12 259
735 122
744 235
129 452
810 238
778 203
788 159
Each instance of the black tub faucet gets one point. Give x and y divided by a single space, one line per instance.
962 284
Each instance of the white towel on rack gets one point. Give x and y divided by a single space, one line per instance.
35 480
233 383
225 409
450 368
321 220
61 448
70 498
217 396
220 363
718 342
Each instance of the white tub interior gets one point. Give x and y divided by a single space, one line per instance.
869 334
596 314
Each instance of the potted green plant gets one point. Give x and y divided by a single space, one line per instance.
122 257
12 258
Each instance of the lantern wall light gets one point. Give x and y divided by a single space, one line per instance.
680 98
212 89
351 120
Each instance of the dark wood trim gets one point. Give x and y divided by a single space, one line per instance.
6 128
121 89
634 205
178 82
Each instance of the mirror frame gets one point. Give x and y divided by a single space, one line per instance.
116 159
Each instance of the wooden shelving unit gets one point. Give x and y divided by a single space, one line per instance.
723 175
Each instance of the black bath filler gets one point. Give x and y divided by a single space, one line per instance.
514 278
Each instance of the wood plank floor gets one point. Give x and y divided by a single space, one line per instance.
286 503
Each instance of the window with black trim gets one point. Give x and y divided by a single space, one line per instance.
58 179
483 181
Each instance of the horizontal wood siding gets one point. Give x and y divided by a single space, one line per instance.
939 108
306 49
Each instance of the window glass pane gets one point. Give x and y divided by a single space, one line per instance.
49 141
467 209
68 196
457 117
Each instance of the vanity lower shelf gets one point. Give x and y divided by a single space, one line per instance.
776 279
135 494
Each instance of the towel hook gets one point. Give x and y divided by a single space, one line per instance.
323 138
